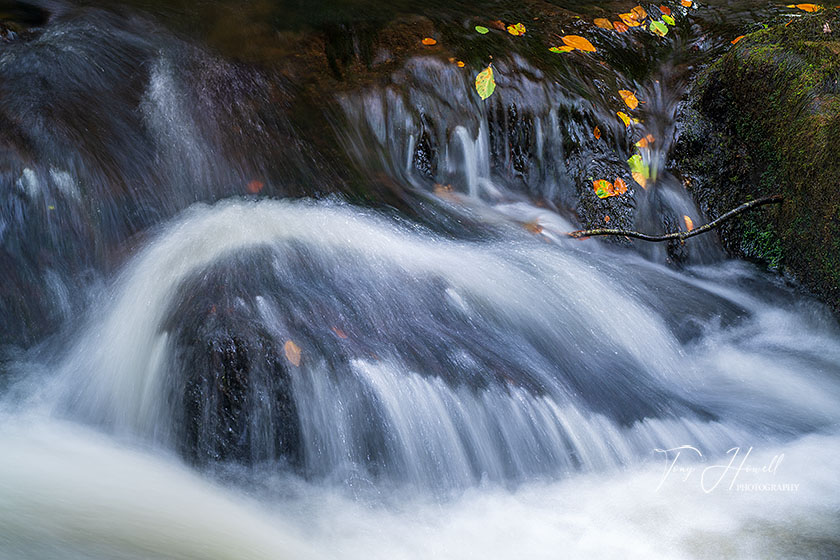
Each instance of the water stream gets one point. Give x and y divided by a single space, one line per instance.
240 321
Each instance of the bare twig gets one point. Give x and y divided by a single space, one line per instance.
682 235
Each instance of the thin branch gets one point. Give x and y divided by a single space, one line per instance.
682 235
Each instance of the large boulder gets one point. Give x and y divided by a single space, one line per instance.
765 119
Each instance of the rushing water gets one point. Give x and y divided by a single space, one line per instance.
213 350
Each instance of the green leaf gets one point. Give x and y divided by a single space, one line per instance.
481 29
485 84
659 28
603 188
561 49
668 19
638 165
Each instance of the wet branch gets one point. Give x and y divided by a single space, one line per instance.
682 235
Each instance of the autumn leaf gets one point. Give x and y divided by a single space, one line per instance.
639 13
688 223
639 178
292 352
563 49
603 188
686 3
578 42
603 23
629 20
498 24
619 187
624 118
646 141
659 28
481 29
807 7
255 186
597 133
736 39
339 333
516 30
669 20
665 10
607 219
485 84
428 41
533 226
620 27
629 98
639 169
460 63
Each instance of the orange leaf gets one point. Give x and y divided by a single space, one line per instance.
629 98
736 39
619 187
460 64
620 26
255 186
686 3
429 41
807 7
603 23
624 118
533 227
516 30
339 333
607 219
639 13
498 24
665 10
688 223
579 43
629 20
603 188
292 352
597 133
646 141
639 178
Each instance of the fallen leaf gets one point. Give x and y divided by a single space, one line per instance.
639 178
339 333
498 24
603 188
665 10
669 20
578 42
807 7
639 13
563 49
624 118
629 20
688 223
255 186
686 3
607 219
629 98
292 352
619 187
646 141
658 28
428 41
533 226
620 26
516 30
597 133
603 23
481 29
485 84
460 64
736 39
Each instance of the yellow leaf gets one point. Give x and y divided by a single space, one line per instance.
688 223
639 178
516 30
292 351
807 7
485 84
428 41
629 20
624 118
597 133
460 64
603 23
579 43
639 13
629 98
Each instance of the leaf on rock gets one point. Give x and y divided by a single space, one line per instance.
578 42
603 23
688 223
669 20
686 3
807 7
563 49
481 29
428 41
597 133
736 39
485 84
603 188
629 98
624 118
639 13
620 26
516 30
292 352
665 10
629 20
659 28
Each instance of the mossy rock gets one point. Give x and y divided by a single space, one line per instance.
765 119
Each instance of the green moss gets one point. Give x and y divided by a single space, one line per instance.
761 243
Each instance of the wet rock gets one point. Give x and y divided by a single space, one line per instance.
765 119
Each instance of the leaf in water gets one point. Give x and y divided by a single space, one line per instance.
686 3
639 169
292 352
603 188
255 186
629 98
428 41
807 7
460 63
603 23
629 20
597 133
646 141
481 29
620 26
665 10
485 84
624 118
736 39
578 42
639 178
533 226
639 13
669 20
688 223
563 49
659 28
619 187
339 333
516 30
